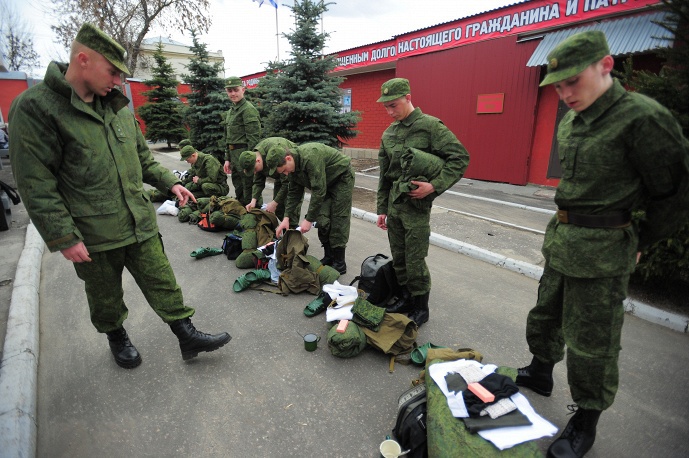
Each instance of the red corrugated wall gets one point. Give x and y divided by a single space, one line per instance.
447 84
9 89
374 120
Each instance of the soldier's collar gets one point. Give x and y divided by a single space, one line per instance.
605 101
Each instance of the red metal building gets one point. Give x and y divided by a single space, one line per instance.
480 76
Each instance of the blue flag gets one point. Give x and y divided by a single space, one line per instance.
272 2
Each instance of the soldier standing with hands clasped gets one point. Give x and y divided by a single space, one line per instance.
242 133
620 153
407 218
80 162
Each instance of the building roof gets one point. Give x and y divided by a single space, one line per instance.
629 35
161 39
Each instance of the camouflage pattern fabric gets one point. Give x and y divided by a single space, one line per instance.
280 181
645 167
409 226
446 435
242 127
586 315
225 221
346 344
56 138
148 264
212 180
330 177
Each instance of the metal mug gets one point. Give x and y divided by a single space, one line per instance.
311 342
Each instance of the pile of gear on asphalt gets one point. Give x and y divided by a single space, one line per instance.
371 312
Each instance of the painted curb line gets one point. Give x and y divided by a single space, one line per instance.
633 307
19 368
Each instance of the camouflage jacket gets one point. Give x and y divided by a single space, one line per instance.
428 134
624 153
316 166
81 170
208 169
259 183
242 126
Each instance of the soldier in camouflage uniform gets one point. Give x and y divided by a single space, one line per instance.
206 177
80 162
253 165
620 152
408 222
242 133
330 177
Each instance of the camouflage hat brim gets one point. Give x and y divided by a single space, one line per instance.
556 77
390 98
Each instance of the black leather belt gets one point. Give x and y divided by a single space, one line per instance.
237 146
615 220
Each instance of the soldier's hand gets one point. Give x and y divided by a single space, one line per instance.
226 168
183 194
284 224
305 226
76 253
251 205
382 222
422 191
271 206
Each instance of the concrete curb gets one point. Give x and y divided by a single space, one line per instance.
19 369
636 308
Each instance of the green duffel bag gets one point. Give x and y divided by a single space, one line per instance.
346 344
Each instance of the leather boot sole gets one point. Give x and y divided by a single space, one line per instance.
188 354
129 363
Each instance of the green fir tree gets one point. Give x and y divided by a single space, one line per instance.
208 101
162 113
667 261
300 100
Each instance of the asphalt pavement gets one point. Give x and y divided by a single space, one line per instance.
263 394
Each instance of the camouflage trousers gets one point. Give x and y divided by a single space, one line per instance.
239 179
207 189
335 217
586 315
409 230
148 264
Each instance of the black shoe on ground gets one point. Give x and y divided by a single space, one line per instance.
193 342
578 436
537 376
125 353
339 263
420 312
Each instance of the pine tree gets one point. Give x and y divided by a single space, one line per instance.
162 113
207 101
667 260
300 100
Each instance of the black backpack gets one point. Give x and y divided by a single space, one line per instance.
377 279
232 246
410 428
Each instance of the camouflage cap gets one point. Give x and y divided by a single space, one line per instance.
184 142
273 159
233 81
394 89
186 152
94 38
247 162
574 54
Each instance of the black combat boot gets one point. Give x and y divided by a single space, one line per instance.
327 259
125 353
420 314
579 434
537 376
191 341
339 263
403 302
